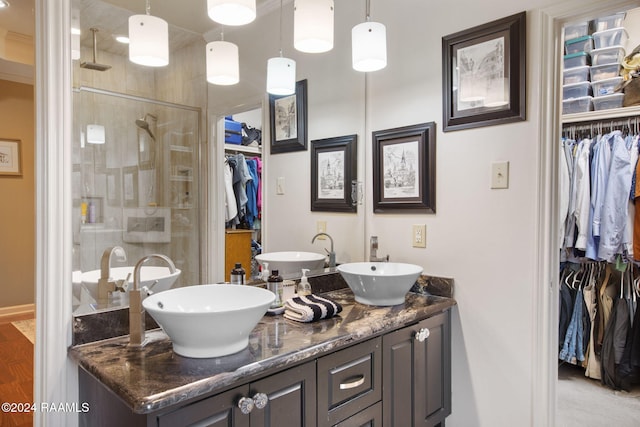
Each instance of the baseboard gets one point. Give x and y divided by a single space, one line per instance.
17 312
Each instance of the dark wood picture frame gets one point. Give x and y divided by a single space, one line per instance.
288 120
483 72
333 167
404 169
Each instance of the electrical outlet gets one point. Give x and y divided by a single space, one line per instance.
321 227
419 236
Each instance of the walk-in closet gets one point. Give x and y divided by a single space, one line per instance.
599 233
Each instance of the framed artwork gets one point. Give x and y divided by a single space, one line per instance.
288 120
130 186
10 157
483 71
404 169
333 167
113 186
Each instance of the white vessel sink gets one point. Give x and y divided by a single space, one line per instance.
380 283
291 262
209 320
148 276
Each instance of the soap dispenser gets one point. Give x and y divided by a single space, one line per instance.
265 272
304 288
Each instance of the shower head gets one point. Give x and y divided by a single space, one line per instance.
94 65
144 124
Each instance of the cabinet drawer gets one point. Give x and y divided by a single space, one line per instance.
370 417
349 380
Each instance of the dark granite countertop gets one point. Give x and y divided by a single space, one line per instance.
154 377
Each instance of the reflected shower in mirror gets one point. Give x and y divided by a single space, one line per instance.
107 211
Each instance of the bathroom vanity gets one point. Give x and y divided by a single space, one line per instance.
386 366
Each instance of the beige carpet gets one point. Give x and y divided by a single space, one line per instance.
27 327
583 402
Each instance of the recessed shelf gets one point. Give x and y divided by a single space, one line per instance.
614 113
243 148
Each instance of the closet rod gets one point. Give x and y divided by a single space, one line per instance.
603 125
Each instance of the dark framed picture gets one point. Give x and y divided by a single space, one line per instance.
404 169
333 167
288 120
483 72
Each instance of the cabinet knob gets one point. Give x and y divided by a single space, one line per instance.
245 404
422 334
260 400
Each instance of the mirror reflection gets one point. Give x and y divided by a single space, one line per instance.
135 171
148 160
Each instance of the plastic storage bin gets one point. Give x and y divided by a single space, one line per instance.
577 105
609 38
579 59
607 55
606 86
575 75
232 131
582 44
608 22
608 101
577 30
576 90
605 71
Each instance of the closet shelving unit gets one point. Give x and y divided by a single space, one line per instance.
602 115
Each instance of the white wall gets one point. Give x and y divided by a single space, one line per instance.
487 240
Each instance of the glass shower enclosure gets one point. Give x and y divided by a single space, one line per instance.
135 184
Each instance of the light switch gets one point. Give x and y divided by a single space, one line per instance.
280 185
321 227
500 175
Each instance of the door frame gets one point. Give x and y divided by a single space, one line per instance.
549 23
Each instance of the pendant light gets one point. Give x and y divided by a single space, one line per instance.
232 12
281 72
369 45
313 25
222 62
148 40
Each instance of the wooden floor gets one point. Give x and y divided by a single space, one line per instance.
16 373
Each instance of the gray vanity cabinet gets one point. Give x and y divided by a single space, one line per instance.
291 402
417 373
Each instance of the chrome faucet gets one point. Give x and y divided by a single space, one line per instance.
106 285
332 254
136 311
373 251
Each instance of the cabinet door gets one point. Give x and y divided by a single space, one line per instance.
417 375
292 398
220 410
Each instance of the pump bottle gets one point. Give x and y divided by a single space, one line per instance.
304 288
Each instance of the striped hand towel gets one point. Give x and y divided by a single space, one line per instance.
310 308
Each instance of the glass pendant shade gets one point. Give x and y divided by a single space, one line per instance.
369 46
148 41
281 76
222 63
313 25
232 12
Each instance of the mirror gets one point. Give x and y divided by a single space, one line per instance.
148 114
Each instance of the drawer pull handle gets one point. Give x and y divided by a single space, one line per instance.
422 334
245 404
260 400
353 382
